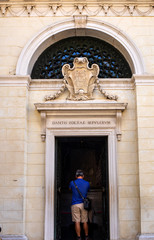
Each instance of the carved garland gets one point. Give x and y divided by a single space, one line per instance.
57 94
63 87
107 95
8 10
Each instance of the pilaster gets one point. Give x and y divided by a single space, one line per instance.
13 155
145 122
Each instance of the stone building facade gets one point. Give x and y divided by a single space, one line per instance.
29 125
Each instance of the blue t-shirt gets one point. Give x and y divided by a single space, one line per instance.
83 186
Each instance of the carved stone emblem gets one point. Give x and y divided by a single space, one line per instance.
80 80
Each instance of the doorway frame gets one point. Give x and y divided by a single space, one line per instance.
49 231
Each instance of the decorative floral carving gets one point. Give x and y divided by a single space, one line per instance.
80 7
55 7
114 9
107 95
3 9
29 9
93 13
131 9
106 8
57 94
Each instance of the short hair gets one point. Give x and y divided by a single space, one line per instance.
79 173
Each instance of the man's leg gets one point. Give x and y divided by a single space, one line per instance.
76 218
84 220
77 229
85 227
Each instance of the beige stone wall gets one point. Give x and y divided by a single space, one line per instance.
145 122
17 31
13 156
35 204
35 170
128 183
20 139
22 153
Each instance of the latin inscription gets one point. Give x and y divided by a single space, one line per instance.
81 122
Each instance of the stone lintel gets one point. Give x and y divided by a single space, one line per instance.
87 105
87 110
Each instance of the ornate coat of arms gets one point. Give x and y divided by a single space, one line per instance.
80 80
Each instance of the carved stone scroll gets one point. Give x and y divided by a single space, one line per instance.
80 80
43 121
118 128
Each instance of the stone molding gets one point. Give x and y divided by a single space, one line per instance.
49 231
145 236
33 9
107 83
15 81
54 84
143 80
50 180
13 237
63 113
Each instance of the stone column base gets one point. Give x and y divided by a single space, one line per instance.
13 237
146 236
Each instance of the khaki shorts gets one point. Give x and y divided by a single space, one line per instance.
79 214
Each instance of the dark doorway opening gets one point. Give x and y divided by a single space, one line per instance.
91 155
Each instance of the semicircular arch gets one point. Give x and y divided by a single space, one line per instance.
94 28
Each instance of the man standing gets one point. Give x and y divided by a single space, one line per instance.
79 214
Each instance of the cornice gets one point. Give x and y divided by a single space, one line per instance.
15 81
85 105
54 84
70 8
143 80
43 2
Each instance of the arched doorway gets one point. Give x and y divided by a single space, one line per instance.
27 60
93 151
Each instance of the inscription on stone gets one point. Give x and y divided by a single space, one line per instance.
65 123
80 122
